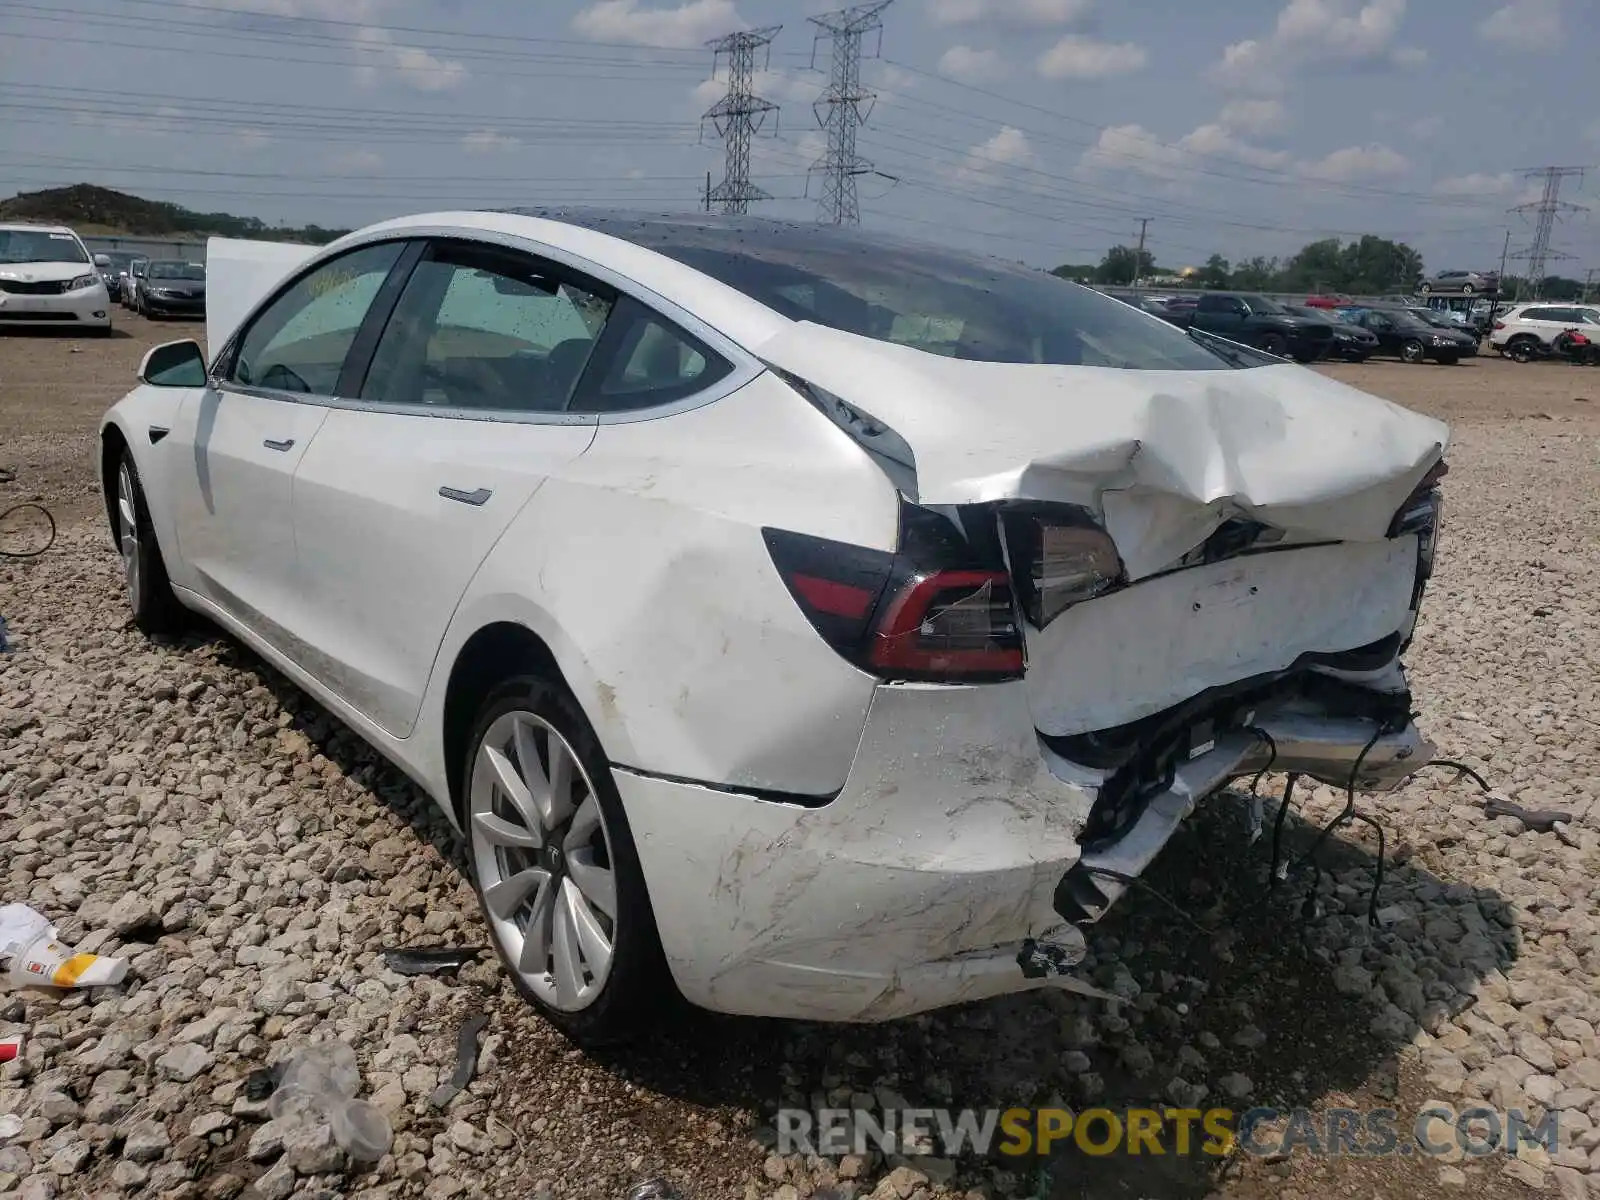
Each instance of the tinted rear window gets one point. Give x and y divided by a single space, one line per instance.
925 297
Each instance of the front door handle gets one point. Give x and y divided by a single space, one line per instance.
286 444
477 499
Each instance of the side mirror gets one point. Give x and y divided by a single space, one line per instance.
174 364
102 260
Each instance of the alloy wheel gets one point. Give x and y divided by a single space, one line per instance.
543 859
128 532
1412 352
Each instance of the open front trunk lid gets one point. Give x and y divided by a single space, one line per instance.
1161 458
241 272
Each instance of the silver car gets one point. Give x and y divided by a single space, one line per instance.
1463 282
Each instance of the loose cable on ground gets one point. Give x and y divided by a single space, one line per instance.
7 475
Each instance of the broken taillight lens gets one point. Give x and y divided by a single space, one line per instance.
1420 515
947 626
1061 557
933 611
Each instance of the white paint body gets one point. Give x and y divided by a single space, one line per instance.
632 548
85 307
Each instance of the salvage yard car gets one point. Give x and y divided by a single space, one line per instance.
821 624
172 288
47 278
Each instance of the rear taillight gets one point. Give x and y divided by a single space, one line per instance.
934 611
1420 515
1061 557
949 625
1499 324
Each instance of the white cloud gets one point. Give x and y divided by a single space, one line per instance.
1355 163
338 10
1477 184
783 88
1077 57
1524 25
688 25
355 162
410 65
489 141
1135 148
1253 116
1009 12
156 124
1007 148
970 65
1360 33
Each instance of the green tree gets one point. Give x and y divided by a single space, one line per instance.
1256 275
1216 273
1124 264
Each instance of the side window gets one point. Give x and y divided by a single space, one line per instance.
483 327
1538 314
648 361
299 342
1213 304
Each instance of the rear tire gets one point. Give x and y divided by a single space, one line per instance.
1467 289
1426 288
156 610
600 977
1521 349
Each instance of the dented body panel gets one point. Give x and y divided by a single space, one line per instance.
1164 457
830 827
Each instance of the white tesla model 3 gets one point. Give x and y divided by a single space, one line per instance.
823 624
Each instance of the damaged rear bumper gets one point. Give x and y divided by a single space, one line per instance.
960 836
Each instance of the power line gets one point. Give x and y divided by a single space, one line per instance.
1547 206
842 165
739 115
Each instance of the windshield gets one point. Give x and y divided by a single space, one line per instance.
177 270
914 295
1260 304
38 245
1410 318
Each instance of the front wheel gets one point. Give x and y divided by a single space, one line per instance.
1426 288
144 572
1413 351
1467 289
1272 343
556 868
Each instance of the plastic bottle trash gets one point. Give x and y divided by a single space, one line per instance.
319 1084
362 1130
28 942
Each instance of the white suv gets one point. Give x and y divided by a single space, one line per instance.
48 278
1543 322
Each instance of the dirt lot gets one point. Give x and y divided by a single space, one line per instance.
184 806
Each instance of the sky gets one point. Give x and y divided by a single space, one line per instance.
1036 130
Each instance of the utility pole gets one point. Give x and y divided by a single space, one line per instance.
738 116
1138 255
1588 282
1547 206
839 110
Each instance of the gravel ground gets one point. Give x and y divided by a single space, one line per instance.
183 806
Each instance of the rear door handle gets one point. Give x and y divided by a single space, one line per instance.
286 444
477 499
